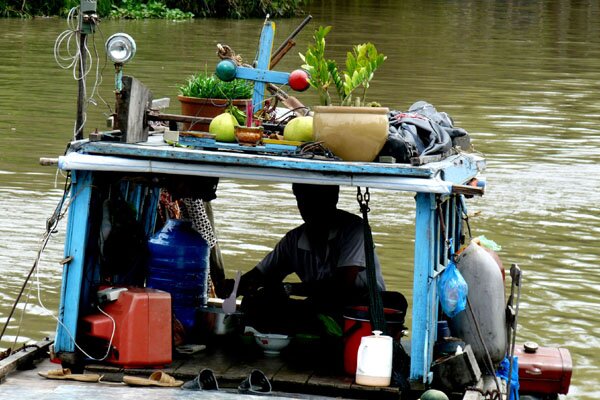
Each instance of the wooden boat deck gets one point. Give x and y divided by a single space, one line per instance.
296 373
297 370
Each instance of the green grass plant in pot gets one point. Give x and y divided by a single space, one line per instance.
205 95
352 129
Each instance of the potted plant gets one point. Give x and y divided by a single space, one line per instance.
205 95
354 130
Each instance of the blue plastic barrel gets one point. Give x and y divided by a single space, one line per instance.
179 264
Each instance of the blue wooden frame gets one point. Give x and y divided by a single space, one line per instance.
75 245
263 62
438 213
438 227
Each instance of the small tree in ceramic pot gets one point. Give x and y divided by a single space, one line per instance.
351 131
361 65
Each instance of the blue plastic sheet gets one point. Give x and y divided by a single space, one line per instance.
502 373
453 290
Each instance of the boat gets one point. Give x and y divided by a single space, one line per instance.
125 329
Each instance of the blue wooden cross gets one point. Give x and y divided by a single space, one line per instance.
261 75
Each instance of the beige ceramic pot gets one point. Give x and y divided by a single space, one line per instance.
351 133
201 107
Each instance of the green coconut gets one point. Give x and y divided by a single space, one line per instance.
433 394
223 126
299 129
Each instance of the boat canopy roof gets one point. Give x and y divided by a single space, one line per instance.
156 156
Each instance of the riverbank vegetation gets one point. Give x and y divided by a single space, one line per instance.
166 9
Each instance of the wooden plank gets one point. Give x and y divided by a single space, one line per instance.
179 118
291 373
174 153
340 382
263 60
421 352
241 369
24 357
468 190
376 391
132 103
217 361
75 244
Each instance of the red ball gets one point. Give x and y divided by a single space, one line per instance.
298 80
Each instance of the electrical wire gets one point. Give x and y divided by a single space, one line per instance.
69 55
47 236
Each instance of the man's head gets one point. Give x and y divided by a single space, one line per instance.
317 203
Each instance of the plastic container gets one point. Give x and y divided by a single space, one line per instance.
179 264
357 325
374 360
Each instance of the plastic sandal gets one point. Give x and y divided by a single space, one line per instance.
255 383
158 378
205 380
65 374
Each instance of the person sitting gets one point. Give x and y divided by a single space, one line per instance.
328 256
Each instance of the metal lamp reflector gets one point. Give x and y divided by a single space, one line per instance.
120 47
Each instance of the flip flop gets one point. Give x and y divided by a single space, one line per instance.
65 374
158 378
256 383
204 381
189 349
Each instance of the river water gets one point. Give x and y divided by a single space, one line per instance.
521 76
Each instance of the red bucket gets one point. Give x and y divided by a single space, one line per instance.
357 325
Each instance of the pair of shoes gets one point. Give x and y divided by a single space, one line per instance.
255 383
158 378
204 381
65 374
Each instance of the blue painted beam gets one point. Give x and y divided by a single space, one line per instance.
171 154
262 75
75 244
422 312
263 62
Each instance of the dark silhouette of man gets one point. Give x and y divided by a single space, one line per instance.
327 255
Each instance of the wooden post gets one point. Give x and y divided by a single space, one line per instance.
424 290
263 62
81 84
75 244
132 103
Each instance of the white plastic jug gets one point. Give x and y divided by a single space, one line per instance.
374 360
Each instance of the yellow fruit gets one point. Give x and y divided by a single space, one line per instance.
223 126
299 129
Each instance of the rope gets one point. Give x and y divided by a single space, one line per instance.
375 302
50 226
226 52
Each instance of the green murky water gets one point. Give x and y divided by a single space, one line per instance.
521 77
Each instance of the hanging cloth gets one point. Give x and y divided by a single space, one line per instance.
195 211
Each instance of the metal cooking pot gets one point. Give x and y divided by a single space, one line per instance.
214 321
